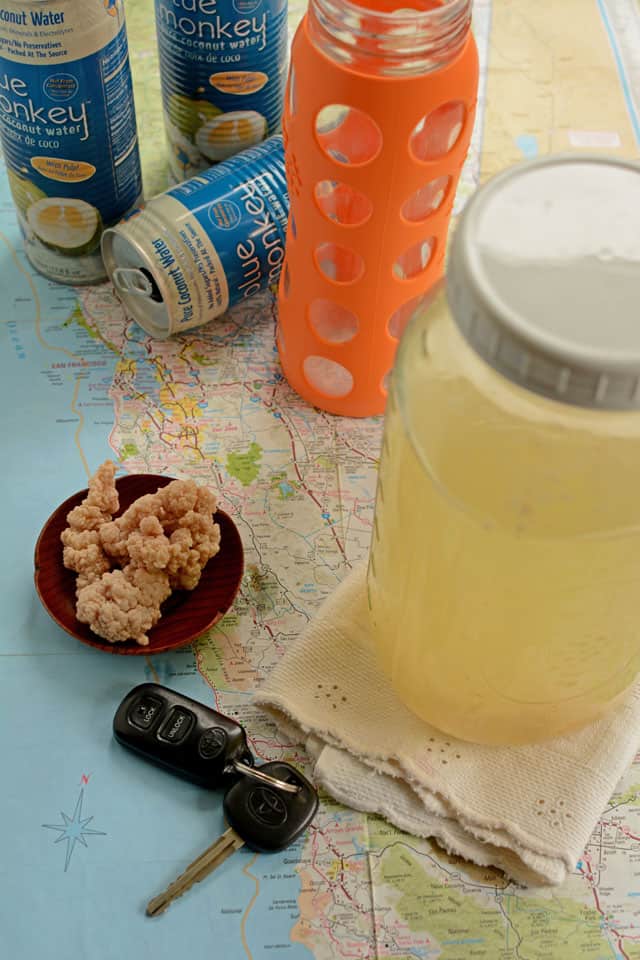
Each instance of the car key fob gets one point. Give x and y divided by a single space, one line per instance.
185 737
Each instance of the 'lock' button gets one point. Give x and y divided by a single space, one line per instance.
177 725
145 712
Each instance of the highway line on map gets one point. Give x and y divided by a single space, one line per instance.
245 916
78 431
152 669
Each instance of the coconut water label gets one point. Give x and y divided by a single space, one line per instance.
68 128
223 69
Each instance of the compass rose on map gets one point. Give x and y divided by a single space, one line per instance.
73 829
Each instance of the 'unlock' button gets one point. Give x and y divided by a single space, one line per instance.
177 725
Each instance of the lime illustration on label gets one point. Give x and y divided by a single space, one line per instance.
189 115
24 191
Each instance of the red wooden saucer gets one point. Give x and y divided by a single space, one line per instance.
185 615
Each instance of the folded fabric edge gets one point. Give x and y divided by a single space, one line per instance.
524 863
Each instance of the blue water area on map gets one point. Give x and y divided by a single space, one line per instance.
41 462
527 143
149 825
88 832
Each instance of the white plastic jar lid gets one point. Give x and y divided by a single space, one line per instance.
544 278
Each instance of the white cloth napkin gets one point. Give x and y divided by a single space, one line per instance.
527 810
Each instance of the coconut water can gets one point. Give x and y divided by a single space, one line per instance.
223 66
68 129
204 245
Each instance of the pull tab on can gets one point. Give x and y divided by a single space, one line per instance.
138 284
129 280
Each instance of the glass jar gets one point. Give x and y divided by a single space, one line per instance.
504 574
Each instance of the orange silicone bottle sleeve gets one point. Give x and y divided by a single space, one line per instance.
358 258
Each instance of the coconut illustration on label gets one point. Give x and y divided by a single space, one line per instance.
68 226
230 133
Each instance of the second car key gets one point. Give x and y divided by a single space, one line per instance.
186 737
264 819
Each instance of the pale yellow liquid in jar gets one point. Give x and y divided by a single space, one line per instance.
504 577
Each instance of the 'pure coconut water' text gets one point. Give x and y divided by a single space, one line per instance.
223 70
68 129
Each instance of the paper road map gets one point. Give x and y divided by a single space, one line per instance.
87 832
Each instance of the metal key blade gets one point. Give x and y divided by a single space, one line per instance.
205 864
